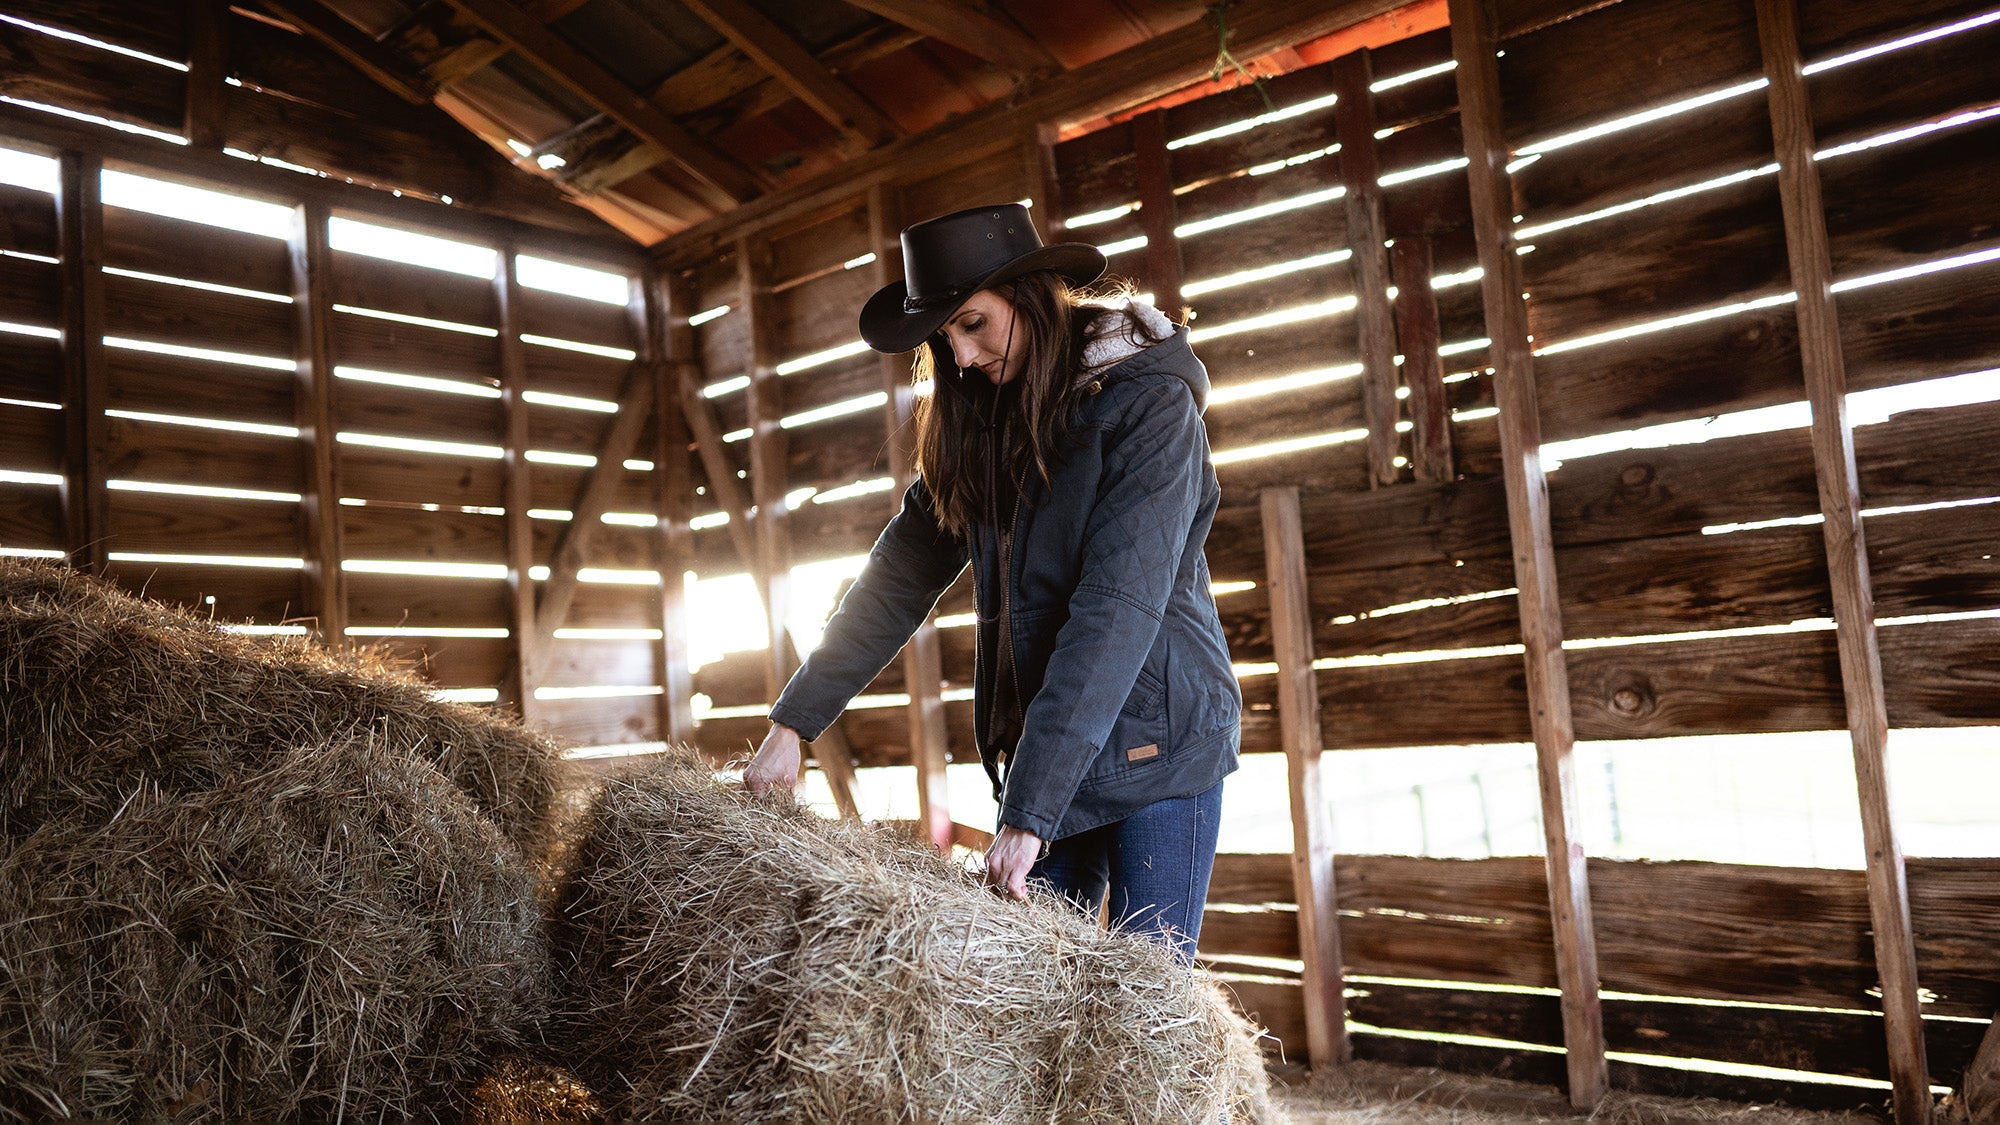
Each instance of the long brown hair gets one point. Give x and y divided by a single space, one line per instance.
1053 322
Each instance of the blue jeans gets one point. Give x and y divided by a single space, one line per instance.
1154 864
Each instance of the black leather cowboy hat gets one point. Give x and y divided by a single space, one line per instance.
951 257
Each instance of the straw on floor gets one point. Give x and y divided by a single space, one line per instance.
726 959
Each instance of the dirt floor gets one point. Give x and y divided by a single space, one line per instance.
1365 1093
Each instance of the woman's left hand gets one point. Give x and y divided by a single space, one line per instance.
1008 859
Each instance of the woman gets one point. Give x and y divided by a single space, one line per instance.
1062 454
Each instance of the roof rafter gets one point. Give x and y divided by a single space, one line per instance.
773 48
726 181
970 30
384 65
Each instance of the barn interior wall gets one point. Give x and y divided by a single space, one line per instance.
1690 582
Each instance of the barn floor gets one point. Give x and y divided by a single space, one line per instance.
1367 1093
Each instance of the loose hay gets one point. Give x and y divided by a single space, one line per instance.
337 933
151 689
724 959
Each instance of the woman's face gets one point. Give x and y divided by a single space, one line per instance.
982 338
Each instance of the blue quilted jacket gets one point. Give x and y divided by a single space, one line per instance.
1118 665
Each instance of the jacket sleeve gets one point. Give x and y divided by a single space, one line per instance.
1148 493
911 564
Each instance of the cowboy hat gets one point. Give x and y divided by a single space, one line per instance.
951 257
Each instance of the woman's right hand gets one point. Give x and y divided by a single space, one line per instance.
776 763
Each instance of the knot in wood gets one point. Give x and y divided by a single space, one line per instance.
1632 700
1636 476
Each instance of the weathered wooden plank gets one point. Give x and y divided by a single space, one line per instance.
382 531
1941 673
1888 91
420 601
369 282
1254 878
1696 253
197 388
414 349
1277 1008
263 595
294 66
447 662
1925 456
574 373
31 517
157 27
1735 362
1830 27
1644 493
80 223
164 523
1903 204
33 438
1926 327
1680 583
156 244
30 368
1318 228
30 292
50 70
1619 59
591 663
154 451
374 473
170 314
1711 141
599 722
563 317
369 407
1422 370
1319 409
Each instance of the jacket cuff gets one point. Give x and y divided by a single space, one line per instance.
809 727
1041 826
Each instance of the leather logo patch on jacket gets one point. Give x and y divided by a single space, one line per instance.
1141 753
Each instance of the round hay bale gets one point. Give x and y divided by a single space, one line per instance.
721 958
98 687
339 934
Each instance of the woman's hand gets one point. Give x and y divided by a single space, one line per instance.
776 763
1008 859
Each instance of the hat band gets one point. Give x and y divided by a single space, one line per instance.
913 305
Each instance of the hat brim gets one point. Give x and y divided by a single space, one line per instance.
886 327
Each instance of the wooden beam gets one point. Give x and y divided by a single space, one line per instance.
1374 320
771 557
80 237
1411 265
923 658
774 49
383 65
1158 213
1131 77
593 498
670 342
725 75
1044 187
569 233
1312 832
323 583
1846 553
725 181
1473 46
444 47
970 30
1979 1090
518 682
207 67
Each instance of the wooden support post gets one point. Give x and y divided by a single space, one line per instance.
1375 324
518 683
1474 47
1158 213
771 559
324 585
1312 831
80 234
201 123
831 747
1038 160
1423 370
670 342
593 499
1846 554
923 659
